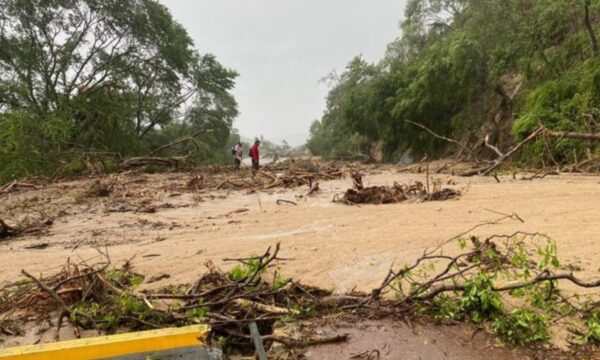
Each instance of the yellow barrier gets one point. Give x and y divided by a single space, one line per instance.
112 346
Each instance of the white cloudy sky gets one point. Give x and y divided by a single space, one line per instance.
282 48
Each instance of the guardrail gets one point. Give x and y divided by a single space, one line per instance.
186 343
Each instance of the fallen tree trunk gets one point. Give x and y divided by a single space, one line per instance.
571 135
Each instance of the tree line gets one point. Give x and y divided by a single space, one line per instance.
81 78
469 68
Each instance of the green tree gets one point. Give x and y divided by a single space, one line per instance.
107 75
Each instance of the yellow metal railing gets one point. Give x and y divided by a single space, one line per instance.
112 346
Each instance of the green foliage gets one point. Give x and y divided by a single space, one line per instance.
520 316
479 300
521 327
199 313
279 282
101 77
244 271
593 328
461 64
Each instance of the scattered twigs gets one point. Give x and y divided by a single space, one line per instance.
540 174
246 297
66 309
283 201
264 180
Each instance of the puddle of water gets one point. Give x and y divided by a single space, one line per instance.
393 339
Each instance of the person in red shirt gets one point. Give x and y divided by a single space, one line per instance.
255 155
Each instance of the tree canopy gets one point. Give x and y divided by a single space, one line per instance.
463 67
110 76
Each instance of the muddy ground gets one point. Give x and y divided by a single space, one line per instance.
328 244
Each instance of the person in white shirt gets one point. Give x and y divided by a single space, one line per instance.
237 154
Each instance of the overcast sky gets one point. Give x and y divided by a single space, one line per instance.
282 48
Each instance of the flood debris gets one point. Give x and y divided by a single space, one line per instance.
396 193
100 189
107 299
274 176
26 227
6 231
16 186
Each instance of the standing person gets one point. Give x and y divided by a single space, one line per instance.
237 154
255 155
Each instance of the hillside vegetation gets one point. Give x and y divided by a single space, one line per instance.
466 69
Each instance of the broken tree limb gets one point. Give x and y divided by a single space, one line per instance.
258 342
461 146
501 159
490 146
544 276
179 141
571 135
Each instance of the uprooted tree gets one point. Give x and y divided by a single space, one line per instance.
89 78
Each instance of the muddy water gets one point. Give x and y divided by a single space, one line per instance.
386 339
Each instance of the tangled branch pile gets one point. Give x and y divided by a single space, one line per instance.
508 284
105 299
394 194
278 177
